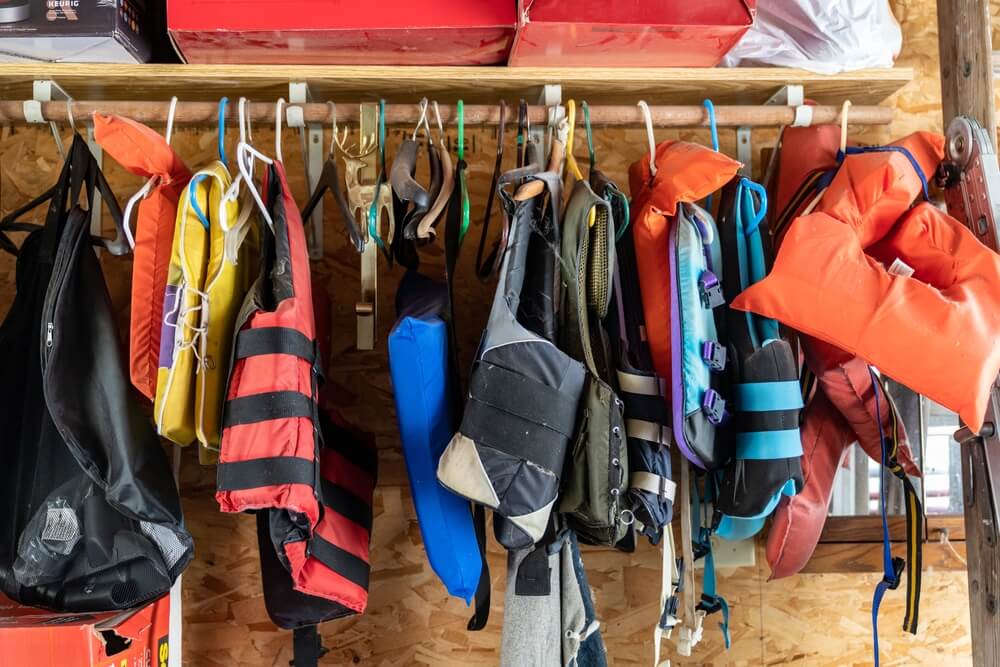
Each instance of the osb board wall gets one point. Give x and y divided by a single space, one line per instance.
815 619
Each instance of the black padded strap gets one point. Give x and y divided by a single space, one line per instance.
307 647
345 503
266 407
271 471
485 586
774 420
274 340
513 435
518 395
340 561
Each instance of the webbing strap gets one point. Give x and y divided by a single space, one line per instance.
483 590
768 445
892 568
269 471
668 598
345 503
519 395
655 484
338 560
767 396
266 407
307 647
711 601
274 340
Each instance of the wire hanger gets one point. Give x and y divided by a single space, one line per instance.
485 269
462 169
571 164
329 180
611 191
710 110
649 136
149 184
246 155
426 227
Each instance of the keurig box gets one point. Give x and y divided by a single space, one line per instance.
80 31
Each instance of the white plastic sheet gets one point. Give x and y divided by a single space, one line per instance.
824 36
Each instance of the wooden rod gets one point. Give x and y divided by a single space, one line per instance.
206 113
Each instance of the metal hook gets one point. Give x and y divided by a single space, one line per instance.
649 135
171 112
422 120
278 111
69 114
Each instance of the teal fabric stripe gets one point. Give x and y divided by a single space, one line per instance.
768 396
768 445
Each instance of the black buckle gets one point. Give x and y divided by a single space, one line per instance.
714 355
709 604
892 583
710 290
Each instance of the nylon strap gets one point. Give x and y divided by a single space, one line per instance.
338 560
307 647
484 589
647 481
274 340
269 471
345 503
521 396
267 407
520 438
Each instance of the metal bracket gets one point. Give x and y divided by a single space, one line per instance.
48 90
792 95
311 135
550 97
361 198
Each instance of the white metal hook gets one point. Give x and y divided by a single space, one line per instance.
278 110
69 114
649 135
422 120
843 126
437 116
171 112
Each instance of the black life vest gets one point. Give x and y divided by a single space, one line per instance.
310 480
523 391
92 521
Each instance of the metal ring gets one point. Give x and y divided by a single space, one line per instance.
631 517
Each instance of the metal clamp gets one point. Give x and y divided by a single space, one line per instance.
48 90
792 95
311 136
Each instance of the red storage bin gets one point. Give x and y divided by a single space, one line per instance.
628 33
343 32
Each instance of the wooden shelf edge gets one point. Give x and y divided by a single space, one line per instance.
609 85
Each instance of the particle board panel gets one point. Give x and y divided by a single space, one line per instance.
474 84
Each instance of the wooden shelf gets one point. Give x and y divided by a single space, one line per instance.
474 84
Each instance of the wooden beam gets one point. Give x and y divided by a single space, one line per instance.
967 89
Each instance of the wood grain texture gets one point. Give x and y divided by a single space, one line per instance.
447 84
814 619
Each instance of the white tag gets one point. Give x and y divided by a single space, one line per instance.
900 268
60 525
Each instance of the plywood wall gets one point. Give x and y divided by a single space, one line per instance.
814 619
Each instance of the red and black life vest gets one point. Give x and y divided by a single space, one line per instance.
309 479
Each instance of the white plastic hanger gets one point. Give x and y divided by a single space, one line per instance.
149 185
246 155
649 135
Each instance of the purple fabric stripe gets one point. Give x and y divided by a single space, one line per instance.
169 326
676 352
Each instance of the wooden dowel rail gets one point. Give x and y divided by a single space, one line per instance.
206 114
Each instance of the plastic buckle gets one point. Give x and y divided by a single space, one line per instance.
898 565
710 290
709 604
714 407
714 355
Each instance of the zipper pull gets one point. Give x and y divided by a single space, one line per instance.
49 329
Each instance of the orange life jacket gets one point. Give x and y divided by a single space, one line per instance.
685 172
145 152
935 331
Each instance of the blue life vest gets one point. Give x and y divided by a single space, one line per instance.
424 395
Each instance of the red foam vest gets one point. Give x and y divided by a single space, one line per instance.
281 452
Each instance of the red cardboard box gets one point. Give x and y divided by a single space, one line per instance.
628 33
39 638
343 32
